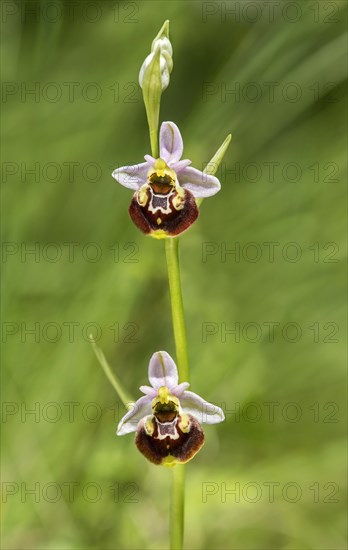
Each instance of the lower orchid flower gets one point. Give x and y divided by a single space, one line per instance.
167 419
166 188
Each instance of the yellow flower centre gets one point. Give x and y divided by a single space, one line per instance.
160 166
162 178
163 394
165 406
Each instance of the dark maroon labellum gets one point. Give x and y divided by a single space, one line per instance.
169 440
164 212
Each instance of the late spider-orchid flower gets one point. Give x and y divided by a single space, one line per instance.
164 202
167 419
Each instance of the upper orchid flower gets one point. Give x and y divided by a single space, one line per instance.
165 188
167 419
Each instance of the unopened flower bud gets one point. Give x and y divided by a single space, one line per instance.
162 45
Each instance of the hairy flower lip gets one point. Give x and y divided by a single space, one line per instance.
163 373
200 184
169 443
163 213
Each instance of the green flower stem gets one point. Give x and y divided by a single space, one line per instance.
154 136
177 508
122 394
179 326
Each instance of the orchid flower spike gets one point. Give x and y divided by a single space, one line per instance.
167 419
164 202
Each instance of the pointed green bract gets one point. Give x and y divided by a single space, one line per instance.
115 382
214 163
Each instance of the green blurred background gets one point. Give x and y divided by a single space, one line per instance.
273 74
